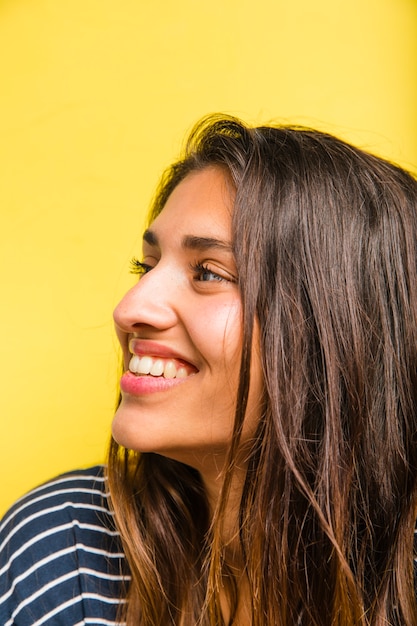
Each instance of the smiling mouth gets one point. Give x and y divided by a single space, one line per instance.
157 367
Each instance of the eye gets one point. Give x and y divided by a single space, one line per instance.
139 268
203 273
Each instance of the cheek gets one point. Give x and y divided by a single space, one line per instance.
217 332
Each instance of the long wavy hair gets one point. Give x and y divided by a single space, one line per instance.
325 240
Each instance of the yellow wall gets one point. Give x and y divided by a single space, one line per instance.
95 98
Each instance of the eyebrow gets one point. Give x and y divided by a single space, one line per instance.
192 242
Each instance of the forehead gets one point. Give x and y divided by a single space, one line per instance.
201 204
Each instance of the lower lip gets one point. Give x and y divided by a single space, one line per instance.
143 385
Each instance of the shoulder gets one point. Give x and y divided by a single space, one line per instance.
60 555
72 496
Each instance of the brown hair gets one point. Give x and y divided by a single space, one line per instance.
325 240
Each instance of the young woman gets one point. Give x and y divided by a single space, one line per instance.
264 463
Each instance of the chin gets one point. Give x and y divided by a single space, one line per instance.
128 430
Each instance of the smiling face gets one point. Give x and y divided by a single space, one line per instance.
180 330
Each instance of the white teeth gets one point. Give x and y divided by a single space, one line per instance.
134 364
156 367
170 370
145 364
182 372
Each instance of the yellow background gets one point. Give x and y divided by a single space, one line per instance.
95 99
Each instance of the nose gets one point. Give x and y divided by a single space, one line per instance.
151 302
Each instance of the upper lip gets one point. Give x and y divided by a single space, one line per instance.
145 347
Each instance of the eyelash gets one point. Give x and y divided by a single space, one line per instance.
199 268
139 268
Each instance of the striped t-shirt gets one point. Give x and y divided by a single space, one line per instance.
61 562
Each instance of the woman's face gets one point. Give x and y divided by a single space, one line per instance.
181 332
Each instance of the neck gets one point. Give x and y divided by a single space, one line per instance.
225 509
227 515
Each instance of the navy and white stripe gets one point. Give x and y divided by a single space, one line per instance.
61 561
